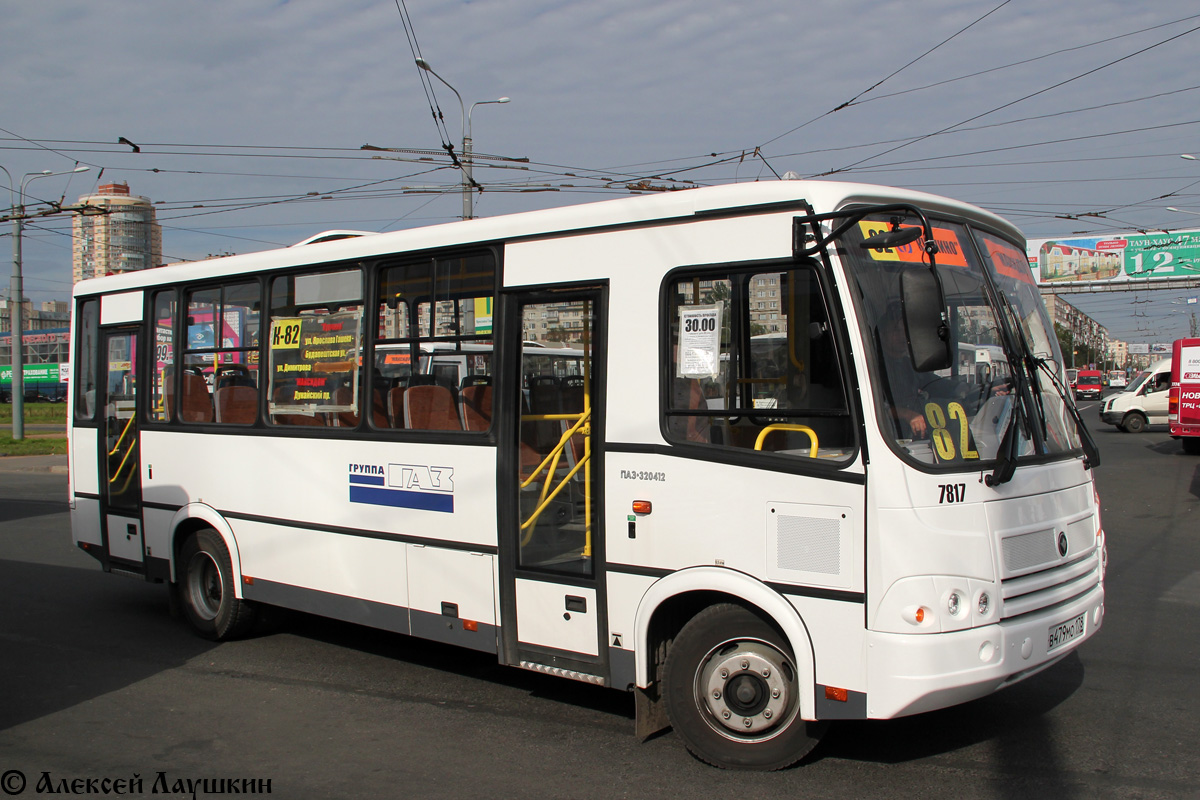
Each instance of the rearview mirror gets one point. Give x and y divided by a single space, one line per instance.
928 335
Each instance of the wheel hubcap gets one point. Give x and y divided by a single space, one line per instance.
747 689
205 588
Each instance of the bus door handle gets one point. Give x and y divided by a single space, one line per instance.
577 604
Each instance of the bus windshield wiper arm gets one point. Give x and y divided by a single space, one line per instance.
1006 455
1091 451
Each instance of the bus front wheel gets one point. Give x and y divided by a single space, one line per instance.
206 588
732 692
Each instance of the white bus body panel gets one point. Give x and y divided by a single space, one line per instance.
118 308
84 478
288 517
467 579
280 479
755 521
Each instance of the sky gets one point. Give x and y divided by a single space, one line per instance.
1068 118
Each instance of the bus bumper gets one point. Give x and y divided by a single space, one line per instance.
914 673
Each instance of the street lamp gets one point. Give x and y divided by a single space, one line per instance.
16 292
468 179
468 143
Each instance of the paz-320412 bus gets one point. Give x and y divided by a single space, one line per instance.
762 494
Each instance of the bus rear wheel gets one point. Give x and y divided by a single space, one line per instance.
732 692
1191 445
206 589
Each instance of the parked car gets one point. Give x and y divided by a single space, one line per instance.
46 393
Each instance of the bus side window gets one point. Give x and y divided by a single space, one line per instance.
162 376
314 346
433 328
219 382
87 362
755 366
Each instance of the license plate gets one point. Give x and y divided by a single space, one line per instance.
1065 632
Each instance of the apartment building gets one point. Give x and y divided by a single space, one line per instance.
124 238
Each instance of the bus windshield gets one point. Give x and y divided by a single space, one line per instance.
1003 351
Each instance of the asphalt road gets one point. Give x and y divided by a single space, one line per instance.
98 681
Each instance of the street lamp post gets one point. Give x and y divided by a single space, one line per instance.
16 293
468 144
468 180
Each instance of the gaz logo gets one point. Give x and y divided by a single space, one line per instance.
421 478
422 487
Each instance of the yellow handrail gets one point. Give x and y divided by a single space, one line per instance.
121 466
537 512
550 465
787 426
121 438
128 452
128 480
562 442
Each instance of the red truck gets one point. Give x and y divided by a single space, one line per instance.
1183 403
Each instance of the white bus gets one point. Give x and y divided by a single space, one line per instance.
834 523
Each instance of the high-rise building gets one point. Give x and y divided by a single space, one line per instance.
126 237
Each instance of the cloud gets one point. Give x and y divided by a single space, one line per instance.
292 90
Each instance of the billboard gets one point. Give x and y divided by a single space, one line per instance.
1115 258
36 373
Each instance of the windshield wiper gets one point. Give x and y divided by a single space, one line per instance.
1091 451
1006 454
1024 377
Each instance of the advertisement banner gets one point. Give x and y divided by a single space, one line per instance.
1115 258
33 373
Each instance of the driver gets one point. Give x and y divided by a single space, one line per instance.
904 392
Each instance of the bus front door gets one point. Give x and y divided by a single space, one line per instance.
121 485
552 542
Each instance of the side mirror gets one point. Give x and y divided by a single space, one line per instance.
928 335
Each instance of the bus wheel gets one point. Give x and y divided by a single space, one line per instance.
732 693
1134 423
1191 445
206 589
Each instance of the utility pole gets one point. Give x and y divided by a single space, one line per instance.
16 295
468 180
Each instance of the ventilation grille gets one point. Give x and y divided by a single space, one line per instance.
1029 550
809 544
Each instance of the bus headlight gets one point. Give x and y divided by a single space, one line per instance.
953 603
984 604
